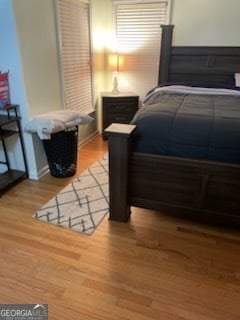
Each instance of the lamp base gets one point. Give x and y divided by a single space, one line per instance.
115 85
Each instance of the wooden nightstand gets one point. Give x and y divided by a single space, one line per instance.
119 108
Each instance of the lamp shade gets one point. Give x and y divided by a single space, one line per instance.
115 62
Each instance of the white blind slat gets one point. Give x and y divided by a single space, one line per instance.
73 17
138 34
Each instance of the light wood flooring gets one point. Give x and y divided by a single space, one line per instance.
153 267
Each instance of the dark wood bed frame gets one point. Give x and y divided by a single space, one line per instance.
204 190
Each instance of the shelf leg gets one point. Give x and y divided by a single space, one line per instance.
6 155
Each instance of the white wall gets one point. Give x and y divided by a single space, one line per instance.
206 22
101 21
10 60
28 51
36 31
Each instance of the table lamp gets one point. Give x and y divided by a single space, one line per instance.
115 62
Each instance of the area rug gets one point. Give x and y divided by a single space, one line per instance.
83 204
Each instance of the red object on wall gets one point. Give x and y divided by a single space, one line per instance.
4 90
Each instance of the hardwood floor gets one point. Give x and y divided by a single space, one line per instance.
153 267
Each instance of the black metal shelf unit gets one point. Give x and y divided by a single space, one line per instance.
9 117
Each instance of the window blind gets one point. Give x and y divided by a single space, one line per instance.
75 52
138 34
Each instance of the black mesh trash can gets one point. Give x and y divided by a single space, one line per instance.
61 151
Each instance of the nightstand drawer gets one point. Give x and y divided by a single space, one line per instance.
120 104
120 118
118 108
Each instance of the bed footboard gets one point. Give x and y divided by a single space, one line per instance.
203 190
119 141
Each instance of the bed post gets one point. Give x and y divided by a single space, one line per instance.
119 142
165 53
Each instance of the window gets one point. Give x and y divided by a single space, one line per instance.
75 53
138 35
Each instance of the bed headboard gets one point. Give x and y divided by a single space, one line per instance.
196 64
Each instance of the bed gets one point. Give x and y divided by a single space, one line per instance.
189 184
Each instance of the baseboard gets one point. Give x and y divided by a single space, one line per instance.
45 169
88 139
39 174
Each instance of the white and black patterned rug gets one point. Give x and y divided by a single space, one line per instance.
81 205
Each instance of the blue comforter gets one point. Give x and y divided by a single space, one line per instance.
194 123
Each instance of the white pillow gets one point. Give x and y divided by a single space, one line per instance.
237 79
55 121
